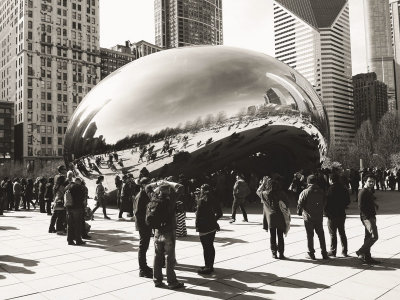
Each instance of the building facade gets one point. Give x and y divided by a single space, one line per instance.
370 99
143 48
50 60
180 23
395 20
6 131
379 47
313 37
114 58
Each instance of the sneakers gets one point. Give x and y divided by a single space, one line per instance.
310 255
205 270
360 255
331 253
176 285
232 221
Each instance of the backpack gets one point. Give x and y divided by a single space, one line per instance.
157 210
68 201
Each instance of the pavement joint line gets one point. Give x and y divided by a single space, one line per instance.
368 267
388 291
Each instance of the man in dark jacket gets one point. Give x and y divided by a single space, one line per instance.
338 199
311 206
367 205
75 212
140 204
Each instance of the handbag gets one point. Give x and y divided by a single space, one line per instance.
68 201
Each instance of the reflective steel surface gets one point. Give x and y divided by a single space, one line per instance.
207 106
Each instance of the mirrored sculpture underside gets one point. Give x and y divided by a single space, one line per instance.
196 110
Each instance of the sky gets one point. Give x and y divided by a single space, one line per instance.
246 24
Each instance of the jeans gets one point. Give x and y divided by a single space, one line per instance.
319 230
164 245
207 241
238 203
58 220
144 240
371 236
281 243
334 225
74 224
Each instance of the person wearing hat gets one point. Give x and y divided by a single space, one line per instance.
311 206
140 203
207 213
100 197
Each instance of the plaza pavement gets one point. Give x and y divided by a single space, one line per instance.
37 265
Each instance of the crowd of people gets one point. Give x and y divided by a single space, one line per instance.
159 205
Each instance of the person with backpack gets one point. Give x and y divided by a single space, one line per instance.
100 197
311 206
207 214
74 203
240 191
160 215
140 204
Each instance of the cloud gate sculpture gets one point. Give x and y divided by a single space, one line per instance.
196 110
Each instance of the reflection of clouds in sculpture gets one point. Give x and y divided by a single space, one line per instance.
207 94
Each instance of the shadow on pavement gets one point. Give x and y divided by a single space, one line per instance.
226 285
220 240
6 268
8 228
112 240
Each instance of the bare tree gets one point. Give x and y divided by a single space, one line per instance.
388 139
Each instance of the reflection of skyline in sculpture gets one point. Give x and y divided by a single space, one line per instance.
217 104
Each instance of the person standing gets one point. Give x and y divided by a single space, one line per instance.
42 191
368 207
311 206
207 214
100 197
141 201
17 190
48 195
164 237
271 194
75 212
338 199
29 194
127 193
59 215
240 191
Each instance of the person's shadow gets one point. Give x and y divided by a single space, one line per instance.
7 269
225 283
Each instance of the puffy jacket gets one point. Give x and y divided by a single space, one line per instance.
312 202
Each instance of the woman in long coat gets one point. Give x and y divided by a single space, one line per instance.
271 194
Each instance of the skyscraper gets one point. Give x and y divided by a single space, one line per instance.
49 61
395 13
180 23
313 37
379 44
370 99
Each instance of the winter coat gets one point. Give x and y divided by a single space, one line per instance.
141 201
208 212
337 200
48 194
126 196
240 191
311 203
17 189
272 214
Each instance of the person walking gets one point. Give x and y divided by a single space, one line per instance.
140 203
240 191
271 193
338 199
100 197
311 206
29 194
75 210
207 214
164 236
368 207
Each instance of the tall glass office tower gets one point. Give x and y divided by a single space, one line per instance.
313 37
180 23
